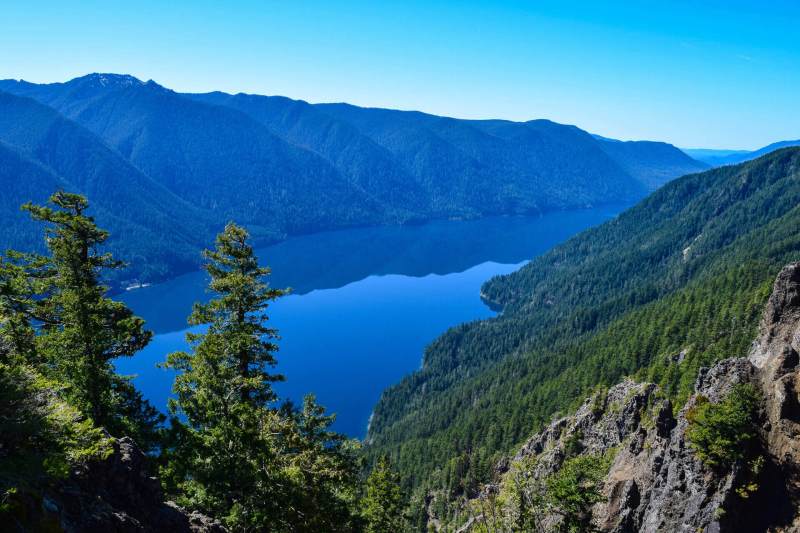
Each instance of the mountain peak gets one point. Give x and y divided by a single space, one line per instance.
110 80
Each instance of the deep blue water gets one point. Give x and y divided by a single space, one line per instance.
365 302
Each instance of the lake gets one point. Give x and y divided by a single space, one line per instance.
364 305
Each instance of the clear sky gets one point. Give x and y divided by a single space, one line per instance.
713 74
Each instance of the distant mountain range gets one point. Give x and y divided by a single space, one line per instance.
718 158
166 170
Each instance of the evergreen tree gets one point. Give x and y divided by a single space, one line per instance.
723 433
237 340
324 467
238 455
82 331
18 289
223 390
383 503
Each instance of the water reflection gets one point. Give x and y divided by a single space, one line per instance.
337 258
366 302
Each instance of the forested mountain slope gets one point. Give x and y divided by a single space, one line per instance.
22 178
526 154
533 168
542 146
629 460
213 157
653 163
669 286
176 165
42 150
461 167
361 161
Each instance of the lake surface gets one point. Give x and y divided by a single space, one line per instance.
365 302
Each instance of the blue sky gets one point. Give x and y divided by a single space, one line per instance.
698 74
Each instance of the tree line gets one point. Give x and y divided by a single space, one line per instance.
230 447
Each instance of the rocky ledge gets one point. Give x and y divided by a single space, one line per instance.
656 482
116 495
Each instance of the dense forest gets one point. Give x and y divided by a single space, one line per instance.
166 170
231 449
669 286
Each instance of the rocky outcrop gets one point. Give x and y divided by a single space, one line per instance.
656 482
118 495
775 356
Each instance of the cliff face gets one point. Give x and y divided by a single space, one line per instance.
656 482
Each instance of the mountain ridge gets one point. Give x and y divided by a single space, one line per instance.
128 201
717 158
287 167
654 455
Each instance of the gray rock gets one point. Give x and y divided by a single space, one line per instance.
656 483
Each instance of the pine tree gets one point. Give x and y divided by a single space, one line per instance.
383 503
223 456
575 488
82 331
324 469
19 285
237 336
237 454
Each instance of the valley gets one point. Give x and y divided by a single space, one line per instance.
399 267
365 302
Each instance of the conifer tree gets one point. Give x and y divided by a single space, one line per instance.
18 289
383 502
574 489
237 454
237 337
224 455
324 471
82 331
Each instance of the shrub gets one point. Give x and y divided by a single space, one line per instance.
723 433
575 488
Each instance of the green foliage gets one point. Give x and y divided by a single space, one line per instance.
232 356
18 289
59 334
687 271
383 504
522 500
323 468
41 436
561 501
237 456
82 331
575 488
58 337
723 433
